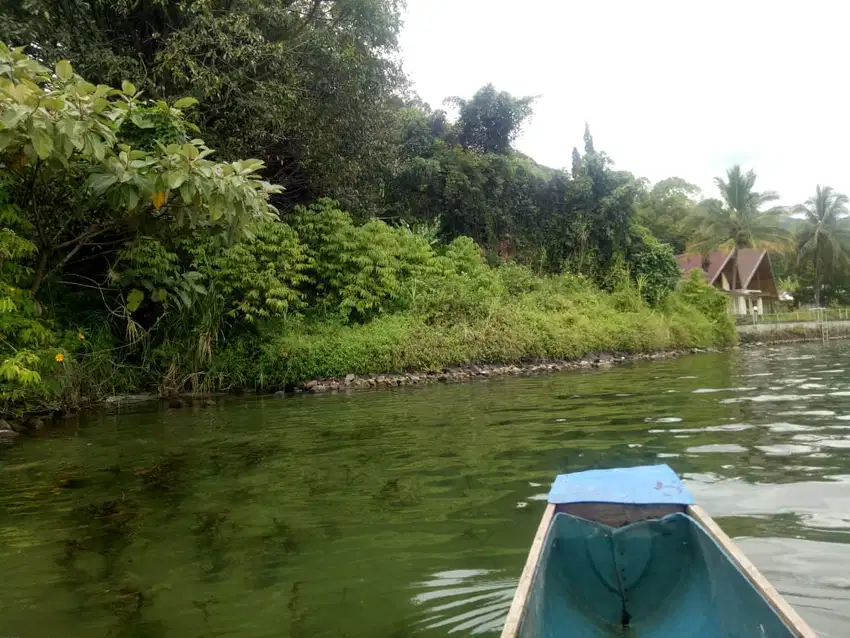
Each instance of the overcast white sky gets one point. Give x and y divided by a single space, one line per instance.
670 88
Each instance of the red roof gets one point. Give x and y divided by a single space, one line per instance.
748 261
714 263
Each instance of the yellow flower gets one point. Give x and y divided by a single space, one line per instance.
82 336
60 357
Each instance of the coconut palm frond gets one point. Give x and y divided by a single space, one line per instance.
824 234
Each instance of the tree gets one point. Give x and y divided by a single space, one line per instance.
588 140
80 184
665 210
491 120
736 220
824 235
97 184
308 86
576 163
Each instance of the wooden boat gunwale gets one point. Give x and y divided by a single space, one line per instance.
783 609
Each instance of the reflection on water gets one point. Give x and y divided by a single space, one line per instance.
409 512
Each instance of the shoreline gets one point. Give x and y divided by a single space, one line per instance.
458 374
11 429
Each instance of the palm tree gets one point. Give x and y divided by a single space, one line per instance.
737 220
824 235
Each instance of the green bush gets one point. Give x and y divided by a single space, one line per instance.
360 271
564 318
653 266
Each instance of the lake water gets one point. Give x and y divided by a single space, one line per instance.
401 513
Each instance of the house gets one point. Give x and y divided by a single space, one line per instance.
749 285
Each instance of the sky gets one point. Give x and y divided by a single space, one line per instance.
685 88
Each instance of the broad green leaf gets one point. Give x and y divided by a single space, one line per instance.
175 179
185 102
6 138
42 143
134 299
12 116
216 209
187 193
190 151
64 70
131 198
99 182
128 88
98 149
142 121
185 298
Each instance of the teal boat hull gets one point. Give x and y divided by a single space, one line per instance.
627 552
661 578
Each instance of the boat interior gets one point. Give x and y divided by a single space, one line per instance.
660 577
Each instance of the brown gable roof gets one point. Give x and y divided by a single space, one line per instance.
748 262
716 261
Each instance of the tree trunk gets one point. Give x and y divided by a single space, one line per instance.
817 276
40 270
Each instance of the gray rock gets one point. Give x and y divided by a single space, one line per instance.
311 384
349 378
129 398
5 427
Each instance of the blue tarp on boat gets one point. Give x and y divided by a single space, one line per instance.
652 579
641 485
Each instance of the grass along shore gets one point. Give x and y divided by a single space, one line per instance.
561 319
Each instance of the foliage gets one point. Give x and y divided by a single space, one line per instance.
491 120
511 206
82 210
653 266
709 303
359 270
736 220
129 258
460 283
823 237
22 334
259 276
308 86
565 319
76 183
665 210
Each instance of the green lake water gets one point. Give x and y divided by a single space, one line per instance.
391 514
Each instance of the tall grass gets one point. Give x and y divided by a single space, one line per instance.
559 319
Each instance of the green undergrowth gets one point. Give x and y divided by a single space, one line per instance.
564 319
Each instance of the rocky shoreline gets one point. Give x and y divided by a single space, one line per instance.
352 382
457 374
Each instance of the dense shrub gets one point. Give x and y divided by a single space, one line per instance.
129 258
563 318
